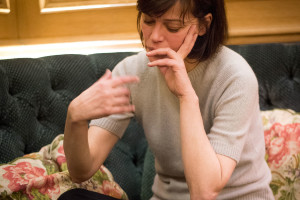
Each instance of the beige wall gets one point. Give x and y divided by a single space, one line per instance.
34 22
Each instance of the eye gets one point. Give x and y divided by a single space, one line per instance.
173 29
148 22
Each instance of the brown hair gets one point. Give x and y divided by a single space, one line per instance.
216 34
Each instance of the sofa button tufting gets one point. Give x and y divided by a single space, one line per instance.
290 75
268 101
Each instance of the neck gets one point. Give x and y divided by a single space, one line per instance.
190 64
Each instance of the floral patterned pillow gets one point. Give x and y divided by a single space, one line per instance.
44 175
282 138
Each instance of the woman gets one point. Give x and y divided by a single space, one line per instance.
196 100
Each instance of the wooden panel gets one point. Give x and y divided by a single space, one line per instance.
8 23
105 21
250 21
61 3
269 20
48 6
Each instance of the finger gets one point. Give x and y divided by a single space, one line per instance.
162 62
121 91
122 109
188 42
120 101
162 53
105 76
118 81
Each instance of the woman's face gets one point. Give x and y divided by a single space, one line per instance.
168 30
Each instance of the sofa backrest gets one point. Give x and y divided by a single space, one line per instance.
277 67
35 94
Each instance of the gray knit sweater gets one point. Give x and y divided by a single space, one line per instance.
228 98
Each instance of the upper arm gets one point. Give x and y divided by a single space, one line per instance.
101 143
234 114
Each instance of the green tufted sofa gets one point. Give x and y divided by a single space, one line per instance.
35 94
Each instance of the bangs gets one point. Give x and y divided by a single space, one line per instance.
156 8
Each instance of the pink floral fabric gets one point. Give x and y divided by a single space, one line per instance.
44 175
282 139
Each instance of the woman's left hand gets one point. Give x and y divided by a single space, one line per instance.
172 66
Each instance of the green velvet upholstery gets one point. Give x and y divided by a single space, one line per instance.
277 67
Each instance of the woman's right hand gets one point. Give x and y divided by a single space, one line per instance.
105 97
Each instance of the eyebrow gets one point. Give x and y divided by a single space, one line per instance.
173 20
168 20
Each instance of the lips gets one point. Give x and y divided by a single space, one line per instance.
149 48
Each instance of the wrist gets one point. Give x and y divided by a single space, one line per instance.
189 98
73 116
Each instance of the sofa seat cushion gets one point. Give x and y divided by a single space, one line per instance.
44 175
282 138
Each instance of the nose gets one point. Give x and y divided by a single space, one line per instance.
157 33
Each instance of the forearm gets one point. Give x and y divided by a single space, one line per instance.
201 165
77 149
87 148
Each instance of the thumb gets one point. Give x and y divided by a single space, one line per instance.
188 42
106 75
163 69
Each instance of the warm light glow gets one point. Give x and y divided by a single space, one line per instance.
88 47
4 10
72 8
5 6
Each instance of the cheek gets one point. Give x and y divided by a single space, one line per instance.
175 40
146 30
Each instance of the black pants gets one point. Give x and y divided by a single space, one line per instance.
80 194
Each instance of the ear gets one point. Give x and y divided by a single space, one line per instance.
205 24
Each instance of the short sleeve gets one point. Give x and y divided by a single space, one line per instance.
115 124
235 114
